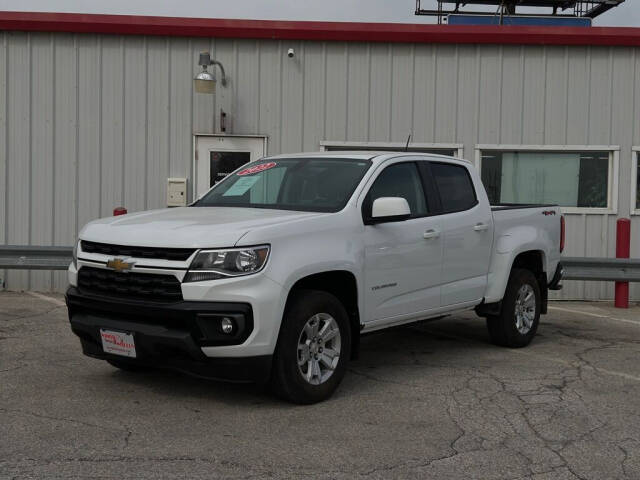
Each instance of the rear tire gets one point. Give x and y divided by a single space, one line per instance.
517 323
313 348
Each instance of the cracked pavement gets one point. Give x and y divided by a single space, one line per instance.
434 400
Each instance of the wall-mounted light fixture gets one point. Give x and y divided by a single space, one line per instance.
205 81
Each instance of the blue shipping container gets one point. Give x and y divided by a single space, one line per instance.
459 19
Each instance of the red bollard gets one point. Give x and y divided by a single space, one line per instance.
119 211
623 247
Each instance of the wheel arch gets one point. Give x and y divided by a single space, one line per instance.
343 285
533 259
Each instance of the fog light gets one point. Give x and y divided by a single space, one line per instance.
227 325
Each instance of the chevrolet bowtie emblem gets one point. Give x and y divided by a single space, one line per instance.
119 265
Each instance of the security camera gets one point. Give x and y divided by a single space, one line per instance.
291 53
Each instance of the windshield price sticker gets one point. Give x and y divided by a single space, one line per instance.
256 169
241 186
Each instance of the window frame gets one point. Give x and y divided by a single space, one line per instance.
441 210
612 184
634 208
328 145
424 183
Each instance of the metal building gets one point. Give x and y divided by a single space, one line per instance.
99 111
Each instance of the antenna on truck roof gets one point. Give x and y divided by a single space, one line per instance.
406 147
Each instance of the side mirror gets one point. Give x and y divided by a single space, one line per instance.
390 209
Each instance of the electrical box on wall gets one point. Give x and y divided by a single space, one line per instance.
176 192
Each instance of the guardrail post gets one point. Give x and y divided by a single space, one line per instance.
623 247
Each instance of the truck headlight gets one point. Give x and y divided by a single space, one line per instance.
229 262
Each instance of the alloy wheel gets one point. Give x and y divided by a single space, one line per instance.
525 309
319 346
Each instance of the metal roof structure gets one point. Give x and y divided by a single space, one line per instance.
319 31
569 8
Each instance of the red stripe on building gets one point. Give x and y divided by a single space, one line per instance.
336 31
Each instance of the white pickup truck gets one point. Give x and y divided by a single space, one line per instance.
275 273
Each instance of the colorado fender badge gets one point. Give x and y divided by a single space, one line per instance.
256 169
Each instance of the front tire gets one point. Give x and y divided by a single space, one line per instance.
313 348
517 323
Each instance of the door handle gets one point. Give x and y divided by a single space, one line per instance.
431 233
481 227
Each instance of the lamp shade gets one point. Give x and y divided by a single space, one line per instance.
205 82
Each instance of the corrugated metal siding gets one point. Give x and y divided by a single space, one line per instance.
90 122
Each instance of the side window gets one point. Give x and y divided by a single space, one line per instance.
399 180
454 187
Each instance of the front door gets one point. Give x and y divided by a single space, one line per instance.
219 155
403 260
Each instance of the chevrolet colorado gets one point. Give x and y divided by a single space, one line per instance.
275 273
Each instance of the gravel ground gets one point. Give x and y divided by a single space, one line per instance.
429 401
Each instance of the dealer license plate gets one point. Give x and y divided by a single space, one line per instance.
118 343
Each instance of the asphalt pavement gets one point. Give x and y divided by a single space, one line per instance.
434 400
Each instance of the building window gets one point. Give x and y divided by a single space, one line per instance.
572 179
637 182
451 150
635 178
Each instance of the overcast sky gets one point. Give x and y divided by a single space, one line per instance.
628 14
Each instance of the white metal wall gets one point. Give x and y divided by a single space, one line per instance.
89 122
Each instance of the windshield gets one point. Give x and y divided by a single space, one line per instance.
308 184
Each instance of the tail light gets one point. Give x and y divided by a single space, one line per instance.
562 230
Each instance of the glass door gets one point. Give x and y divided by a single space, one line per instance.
222 164
219 155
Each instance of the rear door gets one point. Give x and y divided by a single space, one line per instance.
467 233
402 259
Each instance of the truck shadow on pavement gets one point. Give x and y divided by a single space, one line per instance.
405 345
392 350
412 355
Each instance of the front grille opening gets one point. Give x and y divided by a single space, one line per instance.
175 254
134 286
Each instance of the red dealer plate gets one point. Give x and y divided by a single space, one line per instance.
118 343
258 168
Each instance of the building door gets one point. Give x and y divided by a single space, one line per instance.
218 155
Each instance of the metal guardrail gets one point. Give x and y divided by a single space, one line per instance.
601 269
20 257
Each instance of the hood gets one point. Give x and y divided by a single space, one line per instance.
186 227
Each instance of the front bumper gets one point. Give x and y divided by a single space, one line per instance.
169 335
